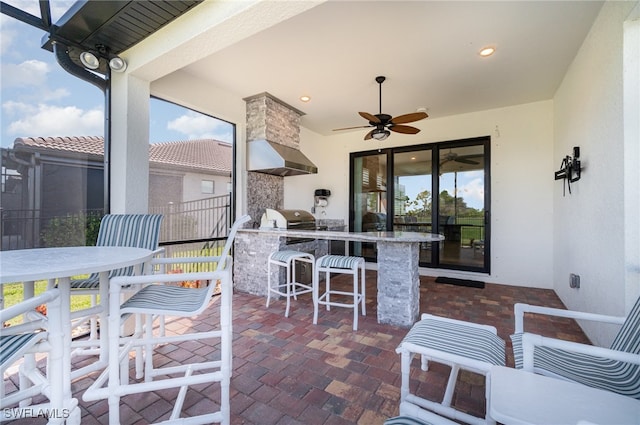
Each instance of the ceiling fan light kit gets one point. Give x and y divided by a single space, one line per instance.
382 123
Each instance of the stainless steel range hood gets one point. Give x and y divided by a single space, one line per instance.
273 158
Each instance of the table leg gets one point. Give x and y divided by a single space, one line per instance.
398 283
28 291
104 318
64 285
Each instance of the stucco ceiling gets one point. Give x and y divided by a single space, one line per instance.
428 50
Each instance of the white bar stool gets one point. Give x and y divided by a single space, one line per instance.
291 287
339 264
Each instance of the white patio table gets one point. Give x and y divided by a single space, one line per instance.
29 265
524 398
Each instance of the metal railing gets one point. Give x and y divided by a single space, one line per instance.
202 222
195 220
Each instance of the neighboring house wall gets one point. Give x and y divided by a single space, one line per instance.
589 236
164 188
193 186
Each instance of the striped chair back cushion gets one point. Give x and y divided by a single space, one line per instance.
131 230
628 338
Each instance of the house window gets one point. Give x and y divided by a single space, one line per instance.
207 186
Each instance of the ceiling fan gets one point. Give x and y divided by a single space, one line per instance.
463 159
382 123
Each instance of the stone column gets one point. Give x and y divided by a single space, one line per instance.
398 283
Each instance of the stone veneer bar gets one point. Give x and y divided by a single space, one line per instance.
398 277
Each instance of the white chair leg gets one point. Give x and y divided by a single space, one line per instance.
315 292
355 300
288 283
268 283
363 292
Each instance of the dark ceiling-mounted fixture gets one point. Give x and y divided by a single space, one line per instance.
570 169
383 122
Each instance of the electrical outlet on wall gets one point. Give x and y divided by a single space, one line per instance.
574 281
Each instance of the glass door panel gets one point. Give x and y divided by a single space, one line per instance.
412 196
369 200
461 209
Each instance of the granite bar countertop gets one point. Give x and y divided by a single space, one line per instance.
350 236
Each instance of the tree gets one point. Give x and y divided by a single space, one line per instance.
421 206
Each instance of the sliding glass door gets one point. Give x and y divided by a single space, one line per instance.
392 189
461 206
413 206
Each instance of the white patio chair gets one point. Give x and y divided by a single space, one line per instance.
129 230
458 344
159 298
38 334
616 368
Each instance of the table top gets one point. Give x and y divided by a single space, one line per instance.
352 236
48 263
519 397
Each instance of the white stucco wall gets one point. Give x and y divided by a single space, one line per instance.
589 237
521 183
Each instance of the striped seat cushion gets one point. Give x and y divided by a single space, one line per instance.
597 372
166 298
12 345
284 256
405 420
340 261
131 230
455 338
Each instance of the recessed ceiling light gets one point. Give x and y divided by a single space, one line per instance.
305 98
487 51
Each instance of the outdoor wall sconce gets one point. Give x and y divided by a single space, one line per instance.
570 169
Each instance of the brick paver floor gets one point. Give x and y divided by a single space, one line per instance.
289 371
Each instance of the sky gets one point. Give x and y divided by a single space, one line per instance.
39 99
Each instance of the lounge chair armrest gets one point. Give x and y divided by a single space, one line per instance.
28 304
529 341
520 309
117 282
159 252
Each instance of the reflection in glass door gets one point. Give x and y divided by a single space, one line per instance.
412 196
461 209
369 199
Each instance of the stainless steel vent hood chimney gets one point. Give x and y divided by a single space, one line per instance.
280 160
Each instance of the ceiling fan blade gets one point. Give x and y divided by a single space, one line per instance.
351 128
465 161
406 118
369 117
406 129
369 135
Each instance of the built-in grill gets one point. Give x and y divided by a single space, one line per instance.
290 219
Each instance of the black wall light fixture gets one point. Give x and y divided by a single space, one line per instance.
570 169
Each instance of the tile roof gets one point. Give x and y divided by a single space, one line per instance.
208 155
